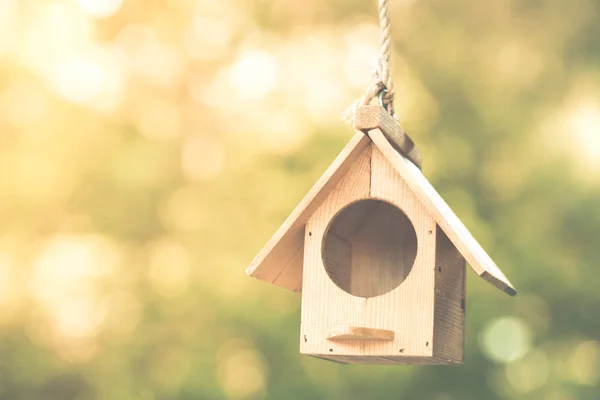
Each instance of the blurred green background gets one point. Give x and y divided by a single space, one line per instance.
150 148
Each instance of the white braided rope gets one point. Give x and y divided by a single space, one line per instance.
382 80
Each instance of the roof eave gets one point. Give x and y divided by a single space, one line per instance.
458 234
280 260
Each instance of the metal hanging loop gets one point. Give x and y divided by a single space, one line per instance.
383 103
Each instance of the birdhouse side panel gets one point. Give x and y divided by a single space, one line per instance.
450 287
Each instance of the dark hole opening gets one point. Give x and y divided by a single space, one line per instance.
369 248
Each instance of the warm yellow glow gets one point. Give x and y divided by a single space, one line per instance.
361 44
94 79
209 37
66 272
100 8
149 149
76 351
241 370
23 103
584 121
169 270
8 24
146 56
282 131
123 313
254 74
516 63
202 157
53 32
180 211
323 96
79 318
11 290
315 84
159 119
574 130
584 363
6 281
37 176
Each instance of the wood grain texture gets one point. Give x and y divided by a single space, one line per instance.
449 317
337 257
376 117
291 275
383 251
359 333
317 306
280 261
407 310
369 248
458 234
346 226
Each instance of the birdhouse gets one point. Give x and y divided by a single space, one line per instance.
379 257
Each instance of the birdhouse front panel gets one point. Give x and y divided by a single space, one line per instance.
378 255
369 270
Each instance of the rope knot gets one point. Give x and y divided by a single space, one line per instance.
382 86
383 79
380 69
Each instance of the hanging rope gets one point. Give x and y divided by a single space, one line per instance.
382 80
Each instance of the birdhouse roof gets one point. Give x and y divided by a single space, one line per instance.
280 262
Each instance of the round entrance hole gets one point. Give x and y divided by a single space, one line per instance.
369 248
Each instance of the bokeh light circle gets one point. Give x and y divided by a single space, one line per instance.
506 339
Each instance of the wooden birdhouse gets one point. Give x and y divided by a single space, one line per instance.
378 256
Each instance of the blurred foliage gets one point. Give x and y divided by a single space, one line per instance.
150 148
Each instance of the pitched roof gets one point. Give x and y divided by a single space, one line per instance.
280 261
